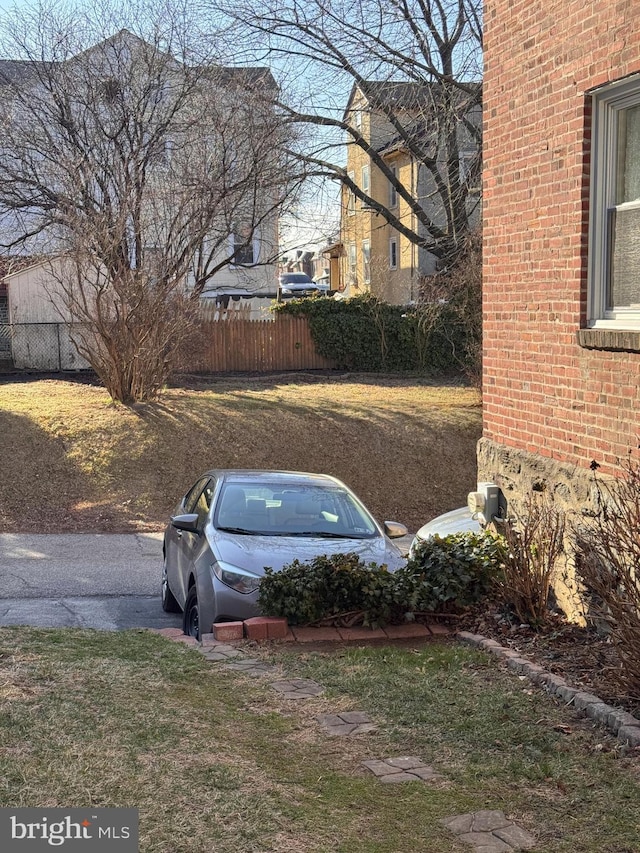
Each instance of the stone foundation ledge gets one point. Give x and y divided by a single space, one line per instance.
624 725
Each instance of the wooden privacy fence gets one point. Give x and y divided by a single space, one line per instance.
262 345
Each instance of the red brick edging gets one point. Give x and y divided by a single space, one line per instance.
271 628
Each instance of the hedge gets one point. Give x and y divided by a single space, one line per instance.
443 575
365 334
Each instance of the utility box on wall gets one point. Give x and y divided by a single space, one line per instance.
485 503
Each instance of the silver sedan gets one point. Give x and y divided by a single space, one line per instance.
231 524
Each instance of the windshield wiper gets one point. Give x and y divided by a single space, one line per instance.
312 534
245 532
325 534
236 530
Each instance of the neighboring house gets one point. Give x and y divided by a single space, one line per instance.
309 261
561 245
320 268
375 256
332 255
252 272
40 340
301 260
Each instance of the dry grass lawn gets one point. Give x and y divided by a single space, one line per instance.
73 461
218 761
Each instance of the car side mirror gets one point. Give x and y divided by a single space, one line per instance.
187 522
394 530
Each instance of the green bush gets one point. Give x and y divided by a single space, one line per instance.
444 574
328 586
363 333
449 573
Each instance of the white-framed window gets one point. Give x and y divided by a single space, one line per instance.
351 199
245 248
614 226
364 179
352 257
393 193
393 253
357 119
366 261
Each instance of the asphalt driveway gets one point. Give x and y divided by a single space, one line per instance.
104 581
85 580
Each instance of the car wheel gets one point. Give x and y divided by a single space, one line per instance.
169 603
191 618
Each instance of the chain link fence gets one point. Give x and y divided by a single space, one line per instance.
39 346
5 342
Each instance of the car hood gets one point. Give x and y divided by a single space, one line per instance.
255 552
456 521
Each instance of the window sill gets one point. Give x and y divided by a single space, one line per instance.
617 340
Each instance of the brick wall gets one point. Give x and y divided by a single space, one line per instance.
543 393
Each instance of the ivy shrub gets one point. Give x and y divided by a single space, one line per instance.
442 575
363 333
446 573
328 586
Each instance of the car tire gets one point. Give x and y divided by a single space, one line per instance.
191 617
169 603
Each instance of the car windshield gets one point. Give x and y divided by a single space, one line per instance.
296 278
292 510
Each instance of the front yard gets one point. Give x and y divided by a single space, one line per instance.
215 760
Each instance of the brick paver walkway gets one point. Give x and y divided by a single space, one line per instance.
298 688
407 768
251 666
490 832
347 723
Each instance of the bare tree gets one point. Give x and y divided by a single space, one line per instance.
418 65
131 152
450 305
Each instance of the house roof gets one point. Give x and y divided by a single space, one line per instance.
399 95
415 99
13 266
18 71
23 71
250 76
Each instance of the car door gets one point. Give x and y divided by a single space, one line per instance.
198 501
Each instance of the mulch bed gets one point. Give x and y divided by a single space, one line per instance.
585 658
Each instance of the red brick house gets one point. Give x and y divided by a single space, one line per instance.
562 243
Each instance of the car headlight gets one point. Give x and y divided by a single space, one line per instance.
286 290
236 578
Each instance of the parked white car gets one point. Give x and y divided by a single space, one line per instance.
457 521
297 285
